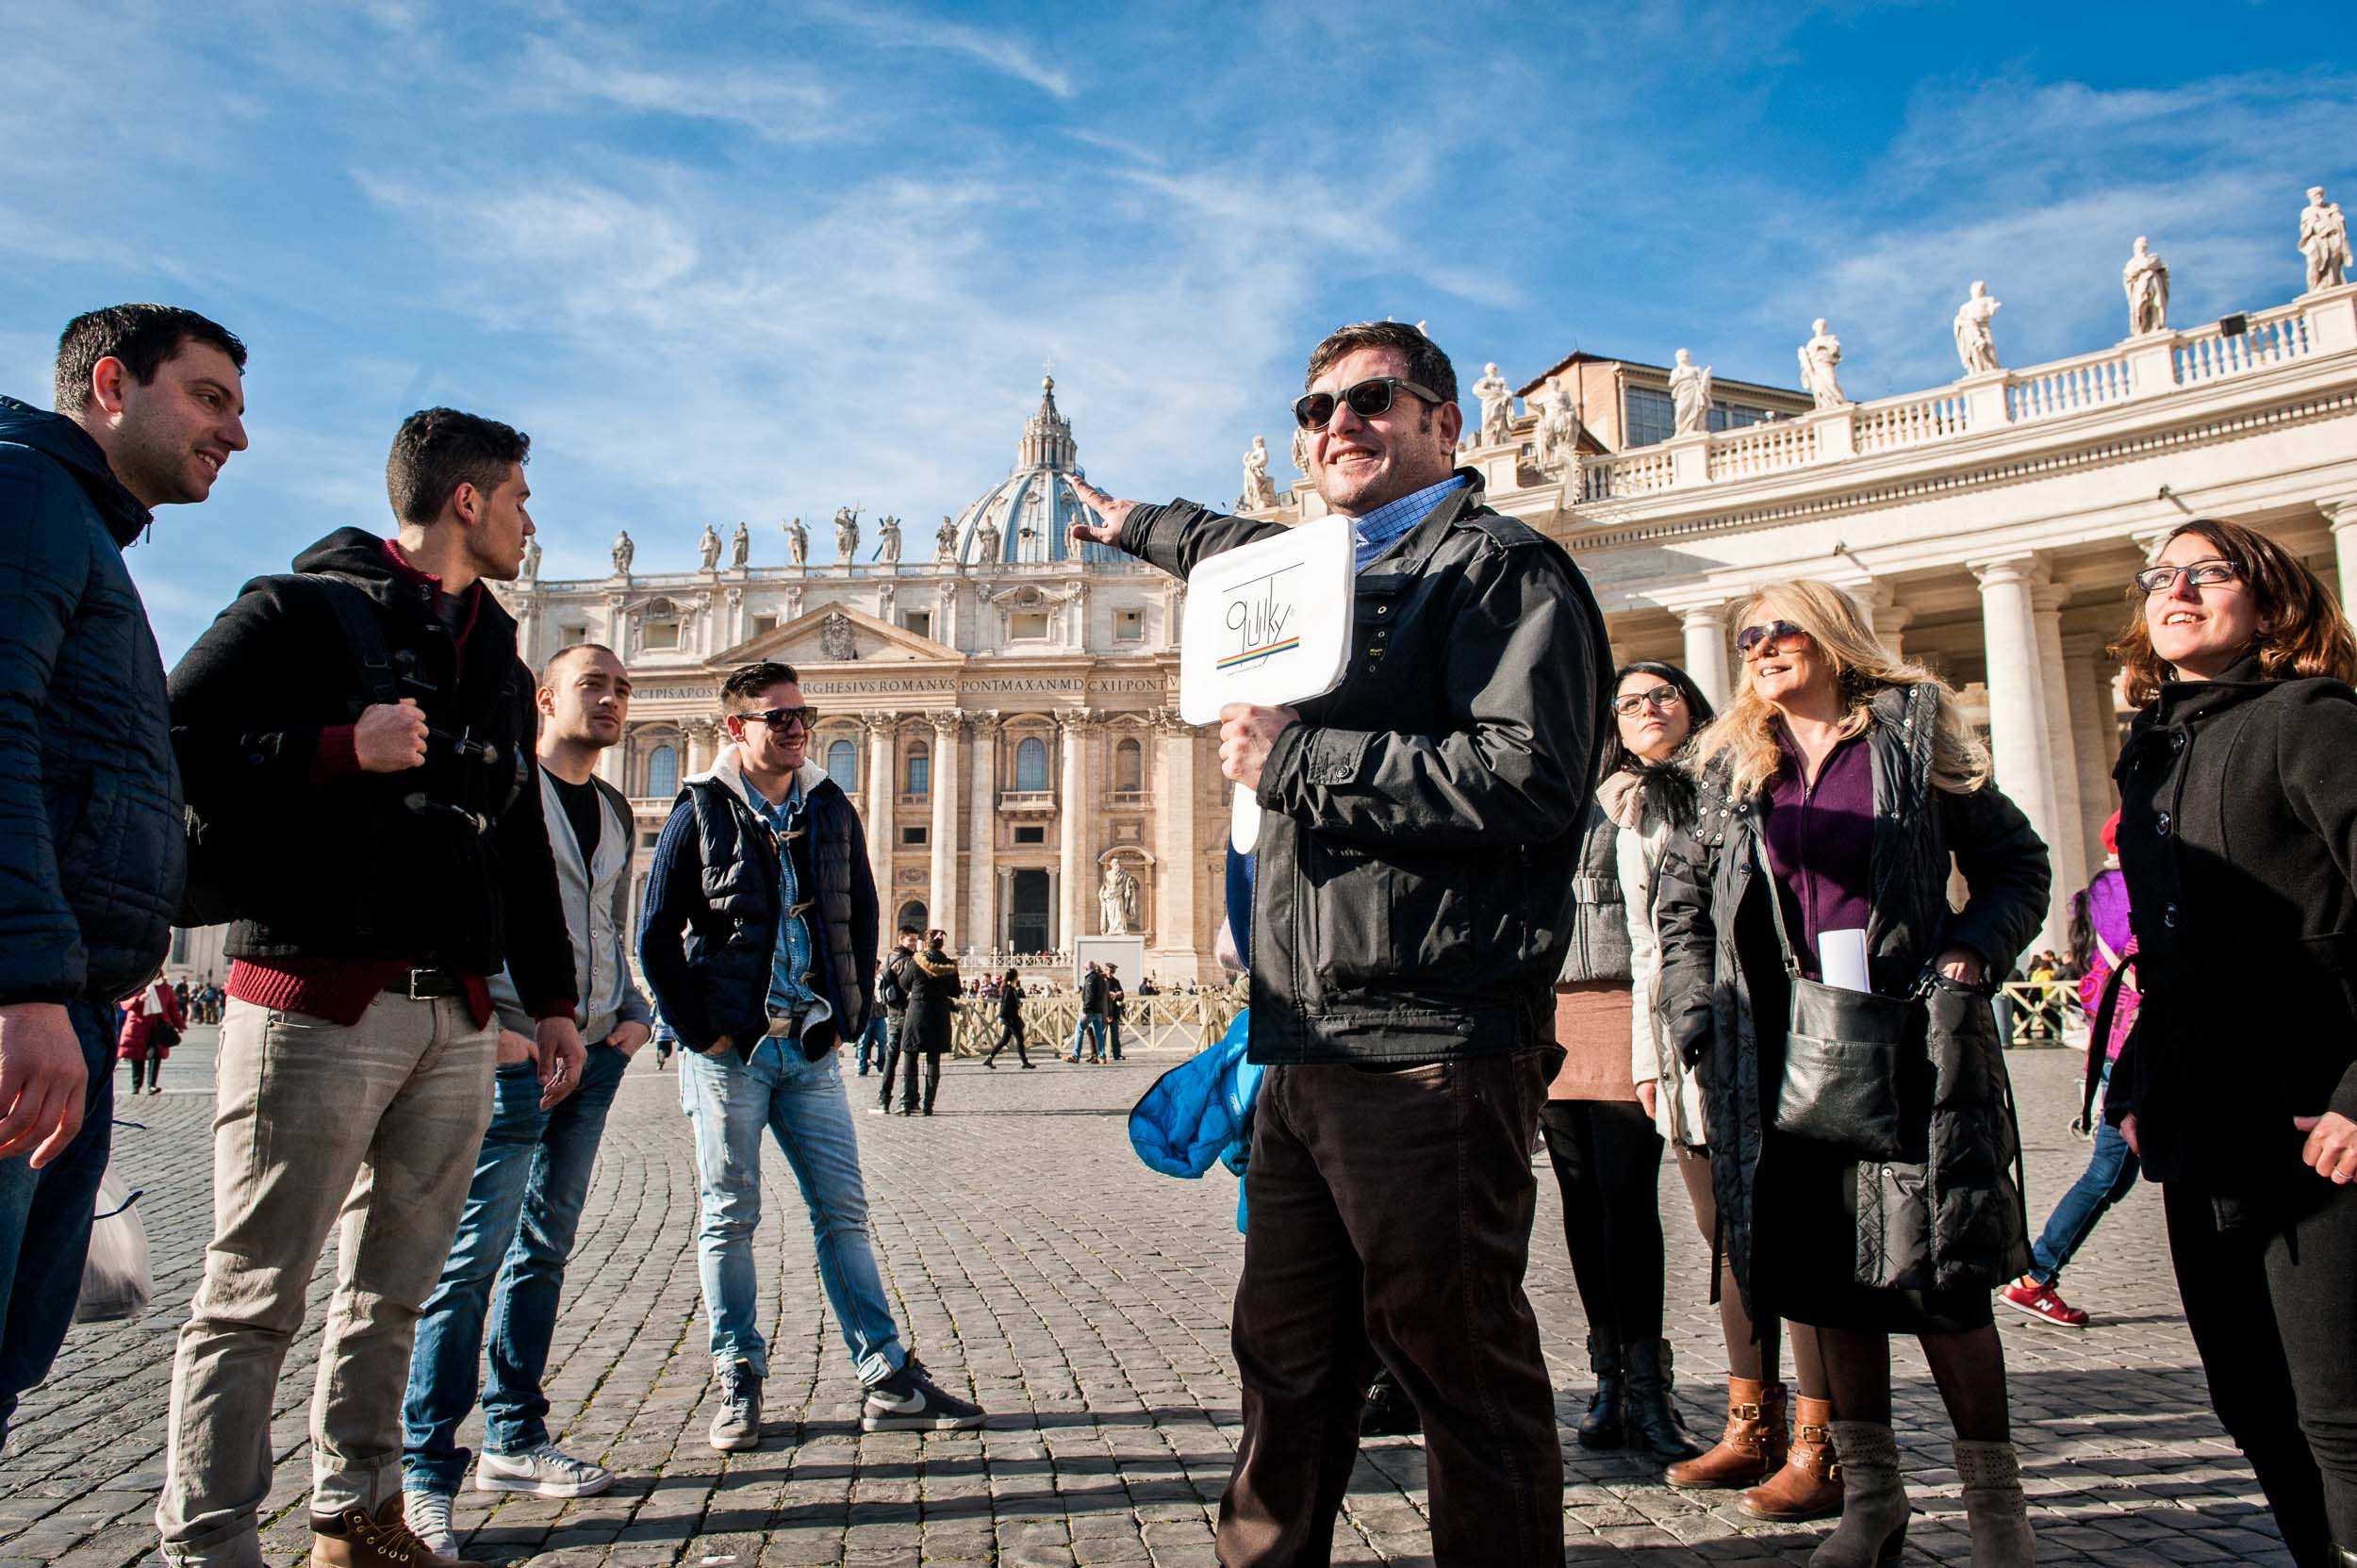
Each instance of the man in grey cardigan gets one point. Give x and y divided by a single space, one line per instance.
533 1173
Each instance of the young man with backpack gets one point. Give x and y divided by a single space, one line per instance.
356 738
895 986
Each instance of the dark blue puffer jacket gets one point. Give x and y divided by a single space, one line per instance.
92 845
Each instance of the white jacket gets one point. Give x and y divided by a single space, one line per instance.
1642 841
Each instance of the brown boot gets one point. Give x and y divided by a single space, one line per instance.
1809 1485
1751 1448
354 1540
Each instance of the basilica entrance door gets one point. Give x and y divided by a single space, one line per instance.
1027 915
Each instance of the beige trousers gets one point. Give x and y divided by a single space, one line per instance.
371 1130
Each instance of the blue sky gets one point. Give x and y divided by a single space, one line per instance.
731 262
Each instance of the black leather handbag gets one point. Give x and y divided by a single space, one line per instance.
1841 1052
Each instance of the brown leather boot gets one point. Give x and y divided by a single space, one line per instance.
1752 1447
1809 1484
354 1540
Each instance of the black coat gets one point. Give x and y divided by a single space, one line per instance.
91 846
1952 1218
1011 1002
345 868
1412 888
935 991
2238 840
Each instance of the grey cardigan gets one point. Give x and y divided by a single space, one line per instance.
597 911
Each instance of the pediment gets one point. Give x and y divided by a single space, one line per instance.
841 634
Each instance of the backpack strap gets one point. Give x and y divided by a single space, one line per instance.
364 636
2098 1039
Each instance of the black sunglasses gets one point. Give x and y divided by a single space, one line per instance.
1366 398
781 720
1662 698
1775 631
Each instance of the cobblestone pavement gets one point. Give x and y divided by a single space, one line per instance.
1084 1301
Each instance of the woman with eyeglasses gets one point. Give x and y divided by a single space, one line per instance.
1834 792
2238 841
1598 1123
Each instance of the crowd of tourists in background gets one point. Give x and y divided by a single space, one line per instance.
1580 908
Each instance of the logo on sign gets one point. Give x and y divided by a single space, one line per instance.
1260 619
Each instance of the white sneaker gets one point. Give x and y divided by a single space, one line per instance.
428 1516
547 1471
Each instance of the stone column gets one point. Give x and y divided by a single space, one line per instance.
1706 651
1884 616
941 900
2069 848
1175 853
2017 721
2340 513
1072 809
982 833
2087 674
881 727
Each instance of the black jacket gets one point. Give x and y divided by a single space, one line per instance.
1952 1216
1011 1002
708 932
935 990
2238 840
92 850
899 966
447 864
1092 991
1412 893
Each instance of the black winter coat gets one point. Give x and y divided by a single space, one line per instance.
2238 840
1412 890
935 990
349 868
1952 1218
91 846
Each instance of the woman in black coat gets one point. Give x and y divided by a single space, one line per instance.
935 991
1835 790
1010 1020
2238 841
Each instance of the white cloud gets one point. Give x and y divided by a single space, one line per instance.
998 50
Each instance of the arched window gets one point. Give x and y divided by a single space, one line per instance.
843 765
920 771
1030 766
662 772
1128 767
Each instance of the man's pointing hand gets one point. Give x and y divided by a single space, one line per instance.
1114 514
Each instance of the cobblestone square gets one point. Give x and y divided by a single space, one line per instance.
1083 1300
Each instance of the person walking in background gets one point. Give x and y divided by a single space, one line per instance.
1600 1138
1092 1023
2237 840
896 983
1836 790
1010 1021
935 993
2103 940
152 1021
1117 1009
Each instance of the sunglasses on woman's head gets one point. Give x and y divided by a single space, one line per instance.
1752 637
1662 698
1367 398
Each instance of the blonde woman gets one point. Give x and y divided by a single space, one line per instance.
1835 790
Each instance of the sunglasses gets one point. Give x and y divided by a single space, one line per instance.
1662 698
1366 398
781 720
1752 637
2201 575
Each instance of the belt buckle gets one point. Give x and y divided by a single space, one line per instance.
415 995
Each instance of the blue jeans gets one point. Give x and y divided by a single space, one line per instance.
530 1181
2111 1172
801 1104
44 1223
872 1042
1091 1025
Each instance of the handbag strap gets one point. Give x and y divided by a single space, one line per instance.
2099 1041
1775 906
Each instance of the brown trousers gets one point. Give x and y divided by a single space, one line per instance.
1388 1214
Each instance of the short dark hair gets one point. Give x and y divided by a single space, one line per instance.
1427 364
754 679
144 337
437 450
548 670
912 931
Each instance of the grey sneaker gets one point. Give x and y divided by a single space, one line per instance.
427 1514
909 1401
547 1471
736 1424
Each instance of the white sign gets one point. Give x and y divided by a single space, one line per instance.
1267 623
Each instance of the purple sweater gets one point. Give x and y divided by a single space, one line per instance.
1821 842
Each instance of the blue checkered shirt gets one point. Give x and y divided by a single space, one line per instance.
1381 528
792 960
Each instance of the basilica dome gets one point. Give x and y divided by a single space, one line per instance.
1028 515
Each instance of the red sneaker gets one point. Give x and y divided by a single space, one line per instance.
2026 1294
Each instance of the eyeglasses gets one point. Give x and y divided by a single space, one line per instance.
1366 398
1662 698
2201 575
1752 637
781 720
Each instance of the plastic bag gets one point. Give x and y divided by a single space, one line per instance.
117 1283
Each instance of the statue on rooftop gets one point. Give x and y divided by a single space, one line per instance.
623 553
1559 427
740 546
2146 278
2324 240
847 536
532 559
986 537
1301 452
708 548
888 541
1820 359
946 542
1260 493
798 543
1976 343
1689 392
1497 404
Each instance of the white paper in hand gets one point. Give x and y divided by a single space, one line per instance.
1267 623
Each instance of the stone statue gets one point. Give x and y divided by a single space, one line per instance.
1976 344
1117 900
888 541
1690 389
798 543
835 639
1259 493
846 535
1819 358
740 546
946 542
1497 404
1301 452
1559 427
2324 240
986 539
532 559
623 553
708 549
2146 278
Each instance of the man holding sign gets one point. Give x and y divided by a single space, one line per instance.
1410 911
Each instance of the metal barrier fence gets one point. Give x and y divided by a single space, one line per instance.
1189 1022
